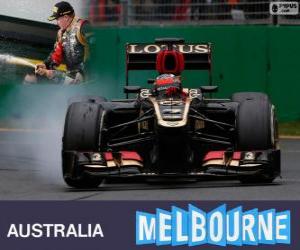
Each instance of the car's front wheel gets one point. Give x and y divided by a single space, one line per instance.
256 128
81 133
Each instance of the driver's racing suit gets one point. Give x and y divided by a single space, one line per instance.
72 48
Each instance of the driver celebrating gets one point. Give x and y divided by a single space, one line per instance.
71 47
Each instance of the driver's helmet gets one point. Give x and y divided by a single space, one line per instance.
165 82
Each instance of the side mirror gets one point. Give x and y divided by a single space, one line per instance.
132 89
151 81
209 89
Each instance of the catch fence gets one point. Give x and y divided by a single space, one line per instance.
183 12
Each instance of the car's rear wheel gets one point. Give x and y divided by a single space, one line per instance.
243 96
87 98
256 129
81 132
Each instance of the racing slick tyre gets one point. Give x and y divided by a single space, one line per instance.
81 132
243 96
87 98
256 130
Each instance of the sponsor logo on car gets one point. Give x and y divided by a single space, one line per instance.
154 48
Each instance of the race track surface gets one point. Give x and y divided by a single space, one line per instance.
30 170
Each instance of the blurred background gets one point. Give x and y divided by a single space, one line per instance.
252 50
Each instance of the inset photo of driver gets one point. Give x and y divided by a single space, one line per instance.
49 46
149 99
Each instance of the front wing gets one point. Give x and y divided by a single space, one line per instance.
215 164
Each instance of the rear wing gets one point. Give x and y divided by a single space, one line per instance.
142 56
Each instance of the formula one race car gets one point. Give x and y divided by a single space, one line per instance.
170 131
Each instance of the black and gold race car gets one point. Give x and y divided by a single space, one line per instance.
168 130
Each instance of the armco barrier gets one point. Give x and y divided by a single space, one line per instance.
245 58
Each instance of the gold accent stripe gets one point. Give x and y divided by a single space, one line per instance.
233 163
171 124
111 164
213 162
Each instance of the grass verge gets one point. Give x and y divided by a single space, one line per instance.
289 128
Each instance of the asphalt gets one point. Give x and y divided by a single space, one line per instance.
30 169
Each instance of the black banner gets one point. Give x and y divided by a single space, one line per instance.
95 225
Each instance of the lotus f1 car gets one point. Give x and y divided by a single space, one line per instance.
169 130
